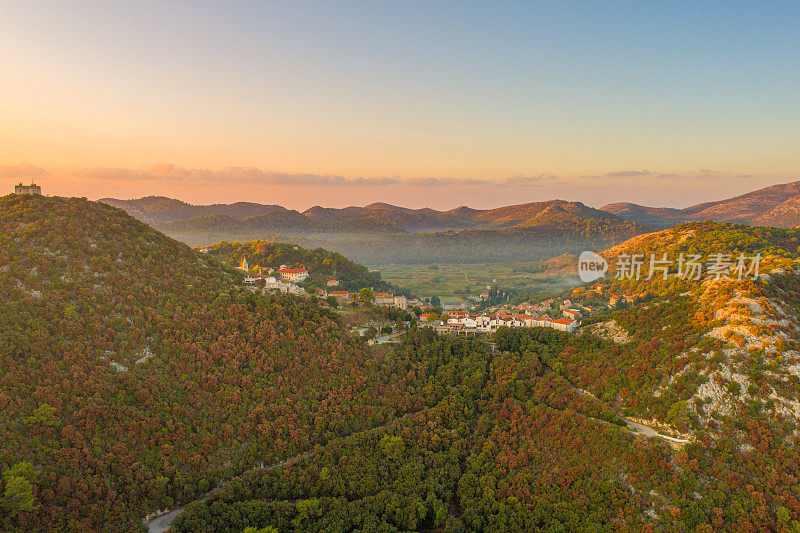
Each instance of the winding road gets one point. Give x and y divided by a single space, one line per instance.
161 524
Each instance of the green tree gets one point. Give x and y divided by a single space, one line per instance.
370 333
393 446
366 295
18 494
44 415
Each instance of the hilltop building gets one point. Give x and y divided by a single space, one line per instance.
27 189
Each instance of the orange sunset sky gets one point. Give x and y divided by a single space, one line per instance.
412 104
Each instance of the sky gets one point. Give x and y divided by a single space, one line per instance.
435 104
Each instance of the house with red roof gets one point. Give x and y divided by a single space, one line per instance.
295 275
341 296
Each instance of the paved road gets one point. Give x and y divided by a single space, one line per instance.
386 338
162 523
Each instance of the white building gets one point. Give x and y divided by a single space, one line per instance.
295 275
488 323
384 299
564 324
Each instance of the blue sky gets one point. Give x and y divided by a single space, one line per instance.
572 94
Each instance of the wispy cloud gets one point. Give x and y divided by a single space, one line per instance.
228 176
628 173
532 181
22 171
251 175
444 182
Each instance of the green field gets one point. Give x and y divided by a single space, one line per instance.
470 279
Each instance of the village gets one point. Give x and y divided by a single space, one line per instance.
468 318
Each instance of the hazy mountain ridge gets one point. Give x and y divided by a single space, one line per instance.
770 206
159 210
164 212
381 233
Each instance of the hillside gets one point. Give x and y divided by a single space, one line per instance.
136 375
697 329
322 264
529 439
774 206
159 210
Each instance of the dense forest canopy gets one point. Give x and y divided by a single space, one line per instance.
513 445
137 376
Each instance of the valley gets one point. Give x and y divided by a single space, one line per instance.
372 267
461 281
173 381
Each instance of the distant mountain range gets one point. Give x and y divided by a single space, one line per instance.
179 217
381 233
777 206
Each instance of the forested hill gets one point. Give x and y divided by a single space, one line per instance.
697 353
322 264
529 438
134 375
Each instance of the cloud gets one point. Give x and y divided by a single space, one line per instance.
531 181
167 172
22 171
628 173
443 182
227 176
